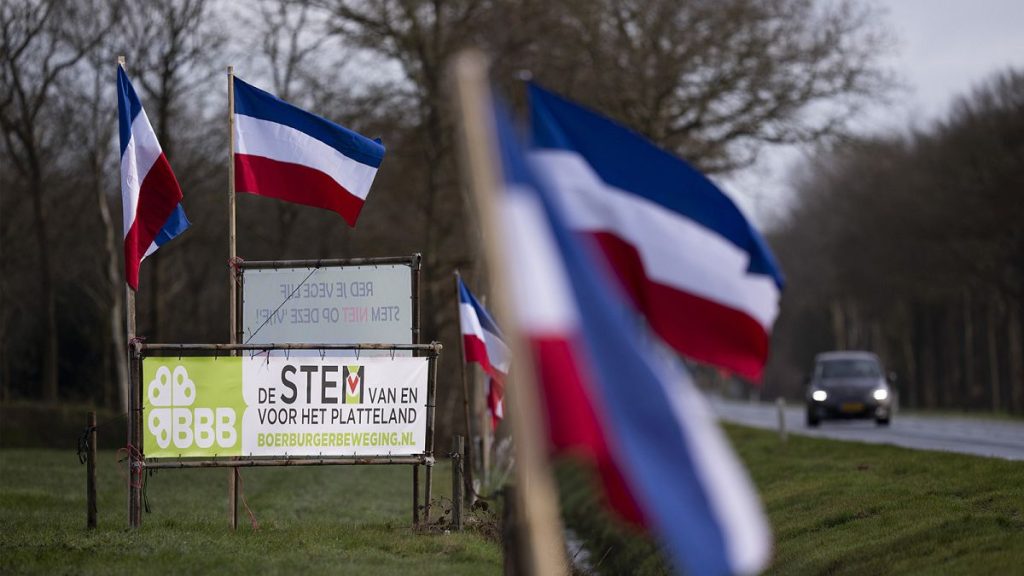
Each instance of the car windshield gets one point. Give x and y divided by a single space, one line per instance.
849 369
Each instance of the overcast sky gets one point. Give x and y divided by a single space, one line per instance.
944 47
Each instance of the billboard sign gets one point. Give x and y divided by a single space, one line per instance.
271 405
365 304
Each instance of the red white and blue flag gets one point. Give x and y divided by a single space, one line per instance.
150 195
484 344
688 259
664 462
285 152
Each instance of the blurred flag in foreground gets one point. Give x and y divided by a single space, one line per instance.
683 252
663 460
483 343
284 152
150 195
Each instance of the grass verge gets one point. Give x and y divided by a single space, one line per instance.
847 508
331 519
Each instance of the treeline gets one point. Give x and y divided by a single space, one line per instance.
713 81
913 246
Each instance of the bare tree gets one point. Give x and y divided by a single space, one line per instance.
420 37
712 81
40 43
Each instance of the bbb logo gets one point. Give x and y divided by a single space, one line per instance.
172 418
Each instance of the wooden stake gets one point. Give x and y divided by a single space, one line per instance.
468 463
457 482
540 528
90 471
232 305
416 496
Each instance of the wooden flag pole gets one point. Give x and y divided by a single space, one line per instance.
134 497
232 276
539 528
467 463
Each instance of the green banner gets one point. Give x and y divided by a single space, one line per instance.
193 406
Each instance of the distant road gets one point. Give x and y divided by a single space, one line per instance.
993 438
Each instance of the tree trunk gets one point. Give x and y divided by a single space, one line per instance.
952 374
838 325
118 346
992 344
928 360
969 391
50 340
153 293
1015 346
909 386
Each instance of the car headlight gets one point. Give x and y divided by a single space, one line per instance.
881 394
819 395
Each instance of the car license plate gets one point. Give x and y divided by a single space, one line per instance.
849 407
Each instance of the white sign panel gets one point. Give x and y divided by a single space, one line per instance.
328 305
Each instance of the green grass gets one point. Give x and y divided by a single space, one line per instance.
849 508
835 508
330 519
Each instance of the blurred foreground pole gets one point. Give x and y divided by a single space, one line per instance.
539 528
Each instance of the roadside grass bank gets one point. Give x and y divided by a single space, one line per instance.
312 520
845 508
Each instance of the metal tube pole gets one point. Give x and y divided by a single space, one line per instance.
135 455
431 411
432 348
233 277
416 496
417 261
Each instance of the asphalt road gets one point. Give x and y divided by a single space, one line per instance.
978 436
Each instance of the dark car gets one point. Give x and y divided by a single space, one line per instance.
848 385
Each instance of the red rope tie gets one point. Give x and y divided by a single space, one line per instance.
235 263
241 490
134 476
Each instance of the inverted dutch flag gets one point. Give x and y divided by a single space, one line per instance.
688 259
150 195
284 152
484 344
663 460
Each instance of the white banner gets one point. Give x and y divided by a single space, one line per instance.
332 406
328 305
